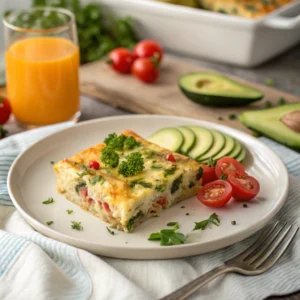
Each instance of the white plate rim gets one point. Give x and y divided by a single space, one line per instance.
82 243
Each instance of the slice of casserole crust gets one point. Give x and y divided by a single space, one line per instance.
121 201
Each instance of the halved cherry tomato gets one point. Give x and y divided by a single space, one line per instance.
94 165
5 110
170 157
145 70
209 174
227 165
121 60
244 187
215 194
148 48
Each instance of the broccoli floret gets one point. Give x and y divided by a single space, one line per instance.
133 165
130 143
117 143
110 137
110 157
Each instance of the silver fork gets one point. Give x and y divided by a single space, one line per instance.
255 260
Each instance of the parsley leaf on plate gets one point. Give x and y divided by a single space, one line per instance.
213 219
76 226
49 201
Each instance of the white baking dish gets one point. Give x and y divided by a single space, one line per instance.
211 35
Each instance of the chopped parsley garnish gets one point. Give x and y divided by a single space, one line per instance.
76 226
49 223
133 165
79 185
176 183
200 173
160 188
191 184
213 219
223 177
83 173
231 116
251 7
131 143
149 153
269 81
168 237
281 101
69 211
132 220
142 183
156 167
49 201
171 171
52 162
96 179
110 231
110 157
268 104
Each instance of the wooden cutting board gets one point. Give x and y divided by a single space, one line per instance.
99 81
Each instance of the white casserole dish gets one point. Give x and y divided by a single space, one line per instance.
210 35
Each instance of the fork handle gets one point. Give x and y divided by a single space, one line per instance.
188 289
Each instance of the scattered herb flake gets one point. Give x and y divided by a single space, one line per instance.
132 220
156 167
69 211
250 7
83 173
199 173
49 201
76 226
52 162
176 184
269 81
79 186
49 223
191 184
97 179
170 171
213 219
160 188
149 153
110 231
142 183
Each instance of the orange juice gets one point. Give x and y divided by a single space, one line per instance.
42 80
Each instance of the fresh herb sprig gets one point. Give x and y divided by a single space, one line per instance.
76 226
69 211
110 231
49 201
213 219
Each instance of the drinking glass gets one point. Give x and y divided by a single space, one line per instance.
42 66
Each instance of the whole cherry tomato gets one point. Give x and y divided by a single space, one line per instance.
148 48
145 70
5 110
121 60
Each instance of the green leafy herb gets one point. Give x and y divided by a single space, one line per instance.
83 173
149 153
131 143
49 201
142 183
268 104
191 184
49 223
160 188
133 165
176 183
281 101
110 231
231 116
110 157
52 162
223 177
79 185
199 173
69 211
156 167
132 220
269 81
96 179
213 219
175 224
170 171
168 237
76 226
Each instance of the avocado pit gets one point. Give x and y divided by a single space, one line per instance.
292 120
203 83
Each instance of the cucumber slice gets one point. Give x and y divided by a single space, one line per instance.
242 155
228 147
204 141
169 138
189 139
218 145
236 150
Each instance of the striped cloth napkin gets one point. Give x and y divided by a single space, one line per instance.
35 267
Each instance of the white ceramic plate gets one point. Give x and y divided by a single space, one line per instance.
31 180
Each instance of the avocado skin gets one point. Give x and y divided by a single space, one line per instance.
267 122
221 101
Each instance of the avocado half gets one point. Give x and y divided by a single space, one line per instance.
217 90
281 123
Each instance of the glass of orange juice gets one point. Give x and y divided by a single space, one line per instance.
42 66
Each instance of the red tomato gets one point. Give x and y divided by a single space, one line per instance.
209 174
121 60
148 48
94 165
162 201
244 187
106 207
145 70
215 194
5 110
228 165
83 192
170 157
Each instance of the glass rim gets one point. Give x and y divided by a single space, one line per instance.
46 8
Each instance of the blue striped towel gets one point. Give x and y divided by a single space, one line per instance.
35 267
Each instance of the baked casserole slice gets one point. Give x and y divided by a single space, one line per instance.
243 8
127 180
